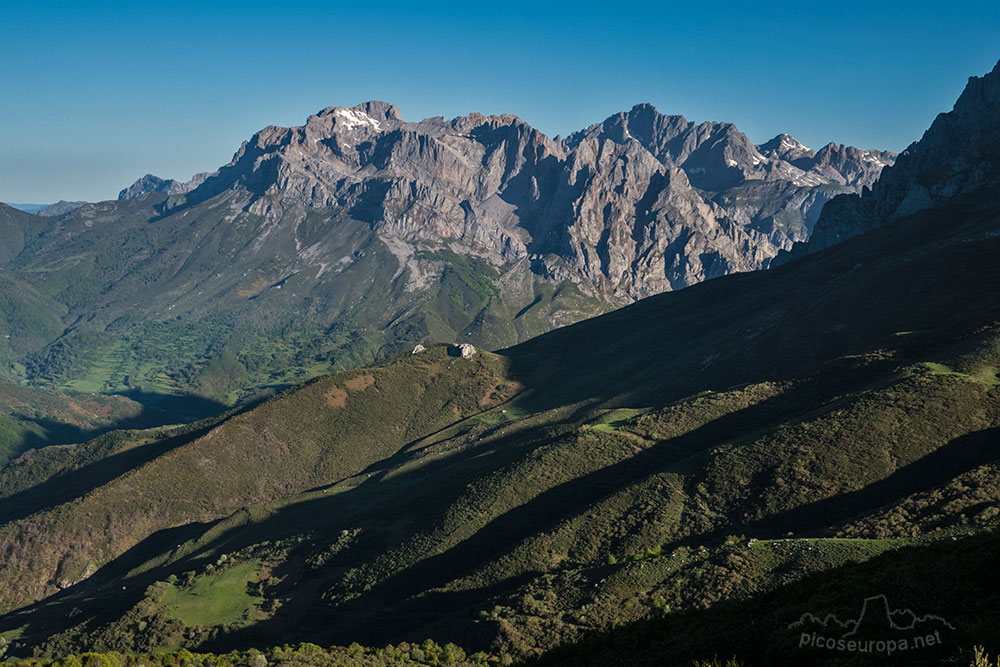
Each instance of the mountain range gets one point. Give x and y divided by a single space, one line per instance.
621 204
358 235
674 482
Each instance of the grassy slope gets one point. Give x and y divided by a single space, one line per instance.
28 318
32 418
331 429
120 296
435 502
15 230
213 599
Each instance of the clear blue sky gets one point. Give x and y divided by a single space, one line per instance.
95 94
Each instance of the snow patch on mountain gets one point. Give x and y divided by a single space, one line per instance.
352 119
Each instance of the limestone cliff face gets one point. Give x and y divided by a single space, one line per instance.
958 154
639 204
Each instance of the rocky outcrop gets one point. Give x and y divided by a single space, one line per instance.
639 204
958 154
464 350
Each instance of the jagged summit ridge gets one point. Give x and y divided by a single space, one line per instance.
374 109
638 204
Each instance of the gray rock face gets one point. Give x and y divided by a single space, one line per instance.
639 204
958 154
150 183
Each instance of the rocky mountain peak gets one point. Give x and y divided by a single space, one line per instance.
145 184
477 122
957 155
644 123
374 109
786 147
150 183
379 110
